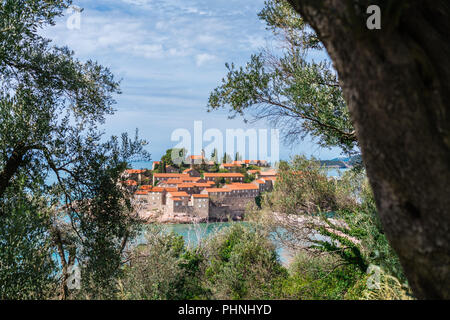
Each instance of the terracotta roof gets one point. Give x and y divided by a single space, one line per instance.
174 181
202 184
131 171
230 165
260 181
188 178
214 190
161 189
268 173
241 186
253 171
141 192
167 175
146 187
200 196
177 199
224 175
178 194
130 183
186 185
195 157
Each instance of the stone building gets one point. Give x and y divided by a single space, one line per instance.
227 176
192 172
157 177
191 196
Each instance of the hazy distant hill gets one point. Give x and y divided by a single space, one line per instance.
342 162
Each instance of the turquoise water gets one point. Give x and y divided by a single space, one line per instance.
336 172
192 233
141 164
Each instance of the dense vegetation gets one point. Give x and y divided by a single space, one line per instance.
282 84
60 203
330 228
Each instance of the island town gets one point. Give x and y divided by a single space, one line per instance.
198 190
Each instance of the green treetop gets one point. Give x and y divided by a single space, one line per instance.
282 85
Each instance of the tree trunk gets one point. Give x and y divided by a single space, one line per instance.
396 82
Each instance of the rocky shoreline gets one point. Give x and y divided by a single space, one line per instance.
181 219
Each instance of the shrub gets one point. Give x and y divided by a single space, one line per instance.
243 264
164 269
316 276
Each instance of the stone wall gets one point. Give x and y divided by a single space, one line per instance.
225 213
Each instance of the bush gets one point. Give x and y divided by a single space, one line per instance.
27 270
243 264
319 277
337 217
164 269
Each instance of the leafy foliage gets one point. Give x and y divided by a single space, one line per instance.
243 265
51 105
316 277
300 97
337 217
27 270
163 269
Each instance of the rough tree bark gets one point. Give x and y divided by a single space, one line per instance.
396 82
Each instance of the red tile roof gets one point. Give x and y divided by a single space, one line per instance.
189 178
195 157
268 173
171 189
224 175
241 186
203 185
178 194
230 165
131 171
200 196
174 181
186 185
130 183
217 190
260 181
168 175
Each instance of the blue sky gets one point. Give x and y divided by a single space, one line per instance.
170 54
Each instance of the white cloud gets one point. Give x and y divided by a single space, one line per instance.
147 50
138 2
201 59
157 48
